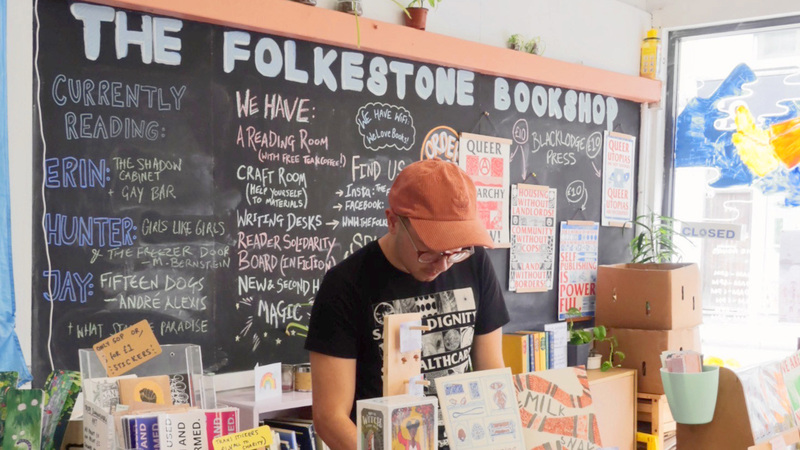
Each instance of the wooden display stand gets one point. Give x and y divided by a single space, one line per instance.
654 409
730 427
614 400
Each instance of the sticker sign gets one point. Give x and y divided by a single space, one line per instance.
709 230
245 440
127 349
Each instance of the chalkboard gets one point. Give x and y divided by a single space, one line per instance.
204 178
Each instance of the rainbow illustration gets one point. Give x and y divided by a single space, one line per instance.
267 379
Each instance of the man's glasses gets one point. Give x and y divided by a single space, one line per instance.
432 257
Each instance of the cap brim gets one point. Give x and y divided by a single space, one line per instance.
447 235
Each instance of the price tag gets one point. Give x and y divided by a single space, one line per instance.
245 440
127 349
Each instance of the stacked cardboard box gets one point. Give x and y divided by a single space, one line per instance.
649 308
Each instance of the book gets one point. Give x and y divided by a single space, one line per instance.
103 391
288 438
558 344
304 432
8 380
221 422
23 428
767 400
63 387
549 350
541 356
790 367
180 389
515 352
153 389
318 442
183 431
488 394
555 406
143 432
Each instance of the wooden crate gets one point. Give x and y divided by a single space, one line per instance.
653 409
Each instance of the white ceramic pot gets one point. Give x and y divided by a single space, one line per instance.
594 362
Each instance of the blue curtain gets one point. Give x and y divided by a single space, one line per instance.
11 358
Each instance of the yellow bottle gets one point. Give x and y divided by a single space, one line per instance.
650 63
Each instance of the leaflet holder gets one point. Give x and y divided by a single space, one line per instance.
175 359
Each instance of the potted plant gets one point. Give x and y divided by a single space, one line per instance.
417 14
523 44
580 341
615 356
350 6
654 292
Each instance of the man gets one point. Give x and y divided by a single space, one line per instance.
431 261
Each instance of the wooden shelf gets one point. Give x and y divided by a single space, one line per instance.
250 411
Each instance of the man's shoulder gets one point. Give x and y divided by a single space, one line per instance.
367 257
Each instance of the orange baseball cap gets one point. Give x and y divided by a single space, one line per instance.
439 199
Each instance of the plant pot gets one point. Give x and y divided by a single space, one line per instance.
692 397
577 355
594 362
419 17
350 7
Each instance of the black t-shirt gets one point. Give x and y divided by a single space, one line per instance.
347 316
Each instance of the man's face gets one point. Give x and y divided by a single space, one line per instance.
408 244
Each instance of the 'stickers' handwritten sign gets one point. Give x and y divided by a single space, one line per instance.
245 440
127 349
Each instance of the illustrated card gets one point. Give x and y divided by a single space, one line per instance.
480 410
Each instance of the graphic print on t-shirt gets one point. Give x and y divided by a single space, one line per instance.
451 316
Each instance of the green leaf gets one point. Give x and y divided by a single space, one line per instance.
600 333
606 366
619 355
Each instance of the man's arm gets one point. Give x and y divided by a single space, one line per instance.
487 350
333 390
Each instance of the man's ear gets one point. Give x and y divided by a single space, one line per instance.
391 221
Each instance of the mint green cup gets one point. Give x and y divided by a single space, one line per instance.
692 397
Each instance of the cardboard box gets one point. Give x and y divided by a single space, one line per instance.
642 349
649 296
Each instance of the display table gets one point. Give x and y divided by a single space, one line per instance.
250 411
614 399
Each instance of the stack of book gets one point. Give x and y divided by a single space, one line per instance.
534 351
294 434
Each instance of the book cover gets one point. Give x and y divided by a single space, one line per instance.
555 406
542 348
318 443
180 389
791 379
104 391
515 352
767 400
558 343
550 361
221 422
24 419
183 431
480 410
288 438
154 389
63 387
304 432
8 380
143 432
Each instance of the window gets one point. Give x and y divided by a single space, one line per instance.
734 136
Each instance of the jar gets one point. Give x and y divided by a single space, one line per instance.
302 377
287 377
350 6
